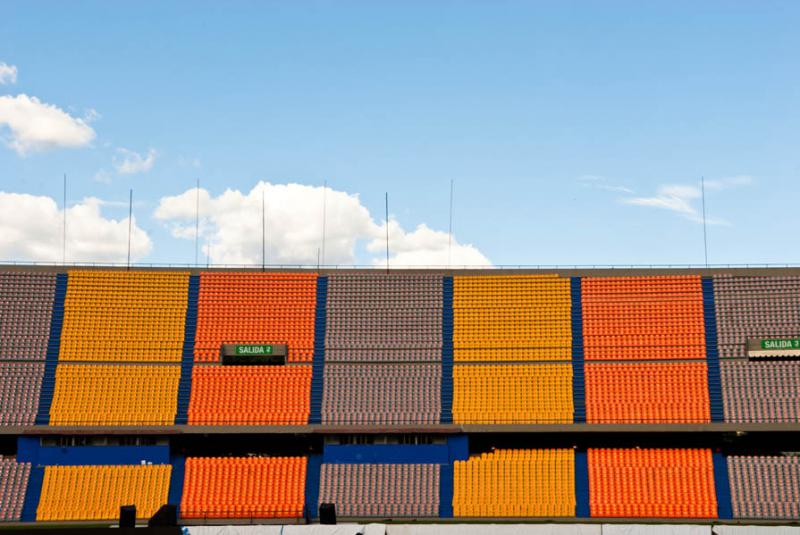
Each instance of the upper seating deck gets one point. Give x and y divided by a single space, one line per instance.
381 340
124 316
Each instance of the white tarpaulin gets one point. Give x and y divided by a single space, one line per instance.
314 529
233 530
757 530
655 529
493 529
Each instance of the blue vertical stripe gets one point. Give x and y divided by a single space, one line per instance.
712 351
582 509
313 469
578 380
446 483
722 486
318 361
53 347
32 494
187 356
447 351
176 481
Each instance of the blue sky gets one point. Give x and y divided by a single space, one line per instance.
575 132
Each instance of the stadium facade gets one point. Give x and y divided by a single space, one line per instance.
254 396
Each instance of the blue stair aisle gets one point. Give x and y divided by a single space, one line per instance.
53 346
318 362
578 378
712 351
447 352
187 357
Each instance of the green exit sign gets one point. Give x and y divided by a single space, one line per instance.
242 354
781 344
253 349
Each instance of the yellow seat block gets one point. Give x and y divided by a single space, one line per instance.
111 394
124 316
97 492
515 483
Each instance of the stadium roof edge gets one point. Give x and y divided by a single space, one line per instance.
567 271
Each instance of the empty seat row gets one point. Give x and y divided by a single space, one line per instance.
761 392
20 386
652 483
244 487
115 394
250 395
390 318
381 393
662 392
256 308
13 484
511 317
381 490
515 483
124 316
755 307
97 492
765 486
643 318
512 394
26 307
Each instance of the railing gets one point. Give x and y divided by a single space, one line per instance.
383 422
176 265
243 515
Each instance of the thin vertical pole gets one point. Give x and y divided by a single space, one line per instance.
64 227
324 216
266 229
263 230
450 229
705 232
197 222
197 225
387 231
130 223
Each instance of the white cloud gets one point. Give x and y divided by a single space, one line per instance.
422 247
34 125
8 74
676 198
231 228
129 162
684 199
30 230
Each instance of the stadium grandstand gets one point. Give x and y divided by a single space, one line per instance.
563 401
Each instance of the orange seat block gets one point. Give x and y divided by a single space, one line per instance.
241 308
663 392
244 487
651 483
250 395
643 318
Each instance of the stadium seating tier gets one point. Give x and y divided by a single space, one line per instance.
250 395
110 394
124 316
652 483
97 492
244 487
512 394
515 483
381 490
